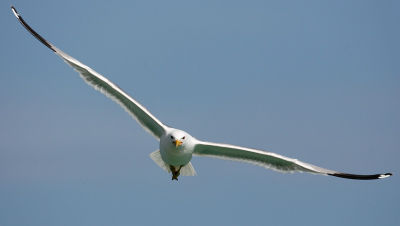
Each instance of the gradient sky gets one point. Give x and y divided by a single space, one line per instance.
313 80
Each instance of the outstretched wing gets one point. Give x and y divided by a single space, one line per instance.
101 83
270 160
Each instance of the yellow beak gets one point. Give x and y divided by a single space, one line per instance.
177 143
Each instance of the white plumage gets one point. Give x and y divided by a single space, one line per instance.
176 146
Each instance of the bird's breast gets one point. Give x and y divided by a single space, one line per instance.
175 156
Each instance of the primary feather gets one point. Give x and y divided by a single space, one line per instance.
101 83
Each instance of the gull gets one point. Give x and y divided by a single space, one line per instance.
177 147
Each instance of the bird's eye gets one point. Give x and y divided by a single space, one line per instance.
183 138
172 137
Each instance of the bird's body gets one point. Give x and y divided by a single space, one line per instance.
175 155
176 146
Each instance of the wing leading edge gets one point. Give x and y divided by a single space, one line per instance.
101 83
271 160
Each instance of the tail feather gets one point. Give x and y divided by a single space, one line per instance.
156 157
188 170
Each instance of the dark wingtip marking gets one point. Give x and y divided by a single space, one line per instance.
361 177
385 175
14 11
33 32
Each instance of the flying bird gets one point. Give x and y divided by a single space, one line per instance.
177 147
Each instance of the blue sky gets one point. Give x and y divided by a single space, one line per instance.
314 80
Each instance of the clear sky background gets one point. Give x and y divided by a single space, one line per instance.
313 80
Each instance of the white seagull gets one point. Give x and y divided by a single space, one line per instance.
176 146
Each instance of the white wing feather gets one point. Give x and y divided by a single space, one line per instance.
271 160
264 159
101 83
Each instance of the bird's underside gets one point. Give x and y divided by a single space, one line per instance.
173 141
176 171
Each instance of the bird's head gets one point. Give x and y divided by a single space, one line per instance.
178 138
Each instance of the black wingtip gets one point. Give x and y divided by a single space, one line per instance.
385 175
33 32
361 177
14 11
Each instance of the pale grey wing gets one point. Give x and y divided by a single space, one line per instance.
99 82
270 160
